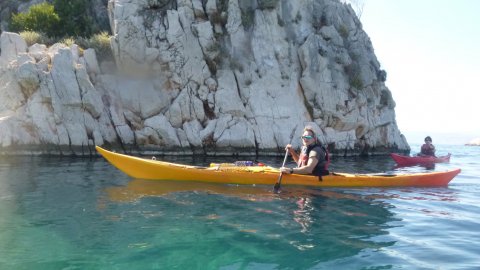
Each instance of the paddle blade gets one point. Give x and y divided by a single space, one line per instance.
276 188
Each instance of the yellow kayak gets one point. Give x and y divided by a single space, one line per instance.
141 168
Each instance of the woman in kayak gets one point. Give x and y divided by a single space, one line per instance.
428 149
313 158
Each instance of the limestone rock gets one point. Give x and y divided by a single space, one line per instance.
192 76
11 45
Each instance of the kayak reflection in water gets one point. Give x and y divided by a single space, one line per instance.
427 149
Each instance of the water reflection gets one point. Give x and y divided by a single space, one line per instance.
425 166
139 188
303 214
297 229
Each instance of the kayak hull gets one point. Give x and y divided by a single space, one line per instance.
263 175
408 160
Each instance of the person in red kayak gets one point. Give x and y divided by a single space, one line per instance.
313 158
428 149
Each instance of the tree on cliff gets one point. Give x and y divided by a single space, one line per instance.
74 17
63 18
41 18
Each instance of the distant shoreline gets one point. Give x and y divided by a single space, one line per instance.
449 138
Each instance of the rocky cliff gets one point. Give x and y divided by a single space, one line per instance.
204 77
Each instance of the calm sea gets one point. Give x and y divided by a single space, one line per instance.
63 213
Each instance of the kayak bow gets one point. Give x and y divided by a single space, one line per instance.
141 168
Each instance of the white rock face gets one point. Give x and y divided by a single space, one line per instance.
236 78
12 45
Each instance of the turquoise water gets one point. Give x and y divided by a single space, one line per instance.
63 213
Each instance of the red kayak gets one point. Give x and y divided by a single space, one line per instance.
407 160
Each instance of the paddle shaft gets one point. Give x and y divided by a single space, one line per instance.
276 188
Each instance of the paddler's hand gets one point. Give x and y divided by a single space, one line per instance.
289 148
286 170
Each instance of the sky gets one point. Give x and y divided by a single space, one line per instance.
430 50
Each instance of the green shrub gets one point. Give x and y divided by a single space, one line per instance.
248 17
40 18
217 18
343 31
32 37
101 43
74 17
386 98
267 4
354 75
69 41
64 18
356 82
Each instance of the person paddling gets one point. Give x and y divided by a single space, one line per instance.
313 158
427 149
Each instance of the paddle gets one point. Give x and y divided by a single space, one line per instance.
276 188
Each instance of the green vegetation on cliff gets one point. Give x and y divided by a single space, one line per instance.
64 21
39 18
60 19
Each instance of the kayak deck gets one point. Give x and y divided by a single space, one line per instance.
264 175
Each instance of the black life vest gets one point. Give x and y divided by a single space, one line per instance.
322 155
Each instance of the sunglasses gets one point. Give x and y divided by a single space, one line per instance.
307 137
